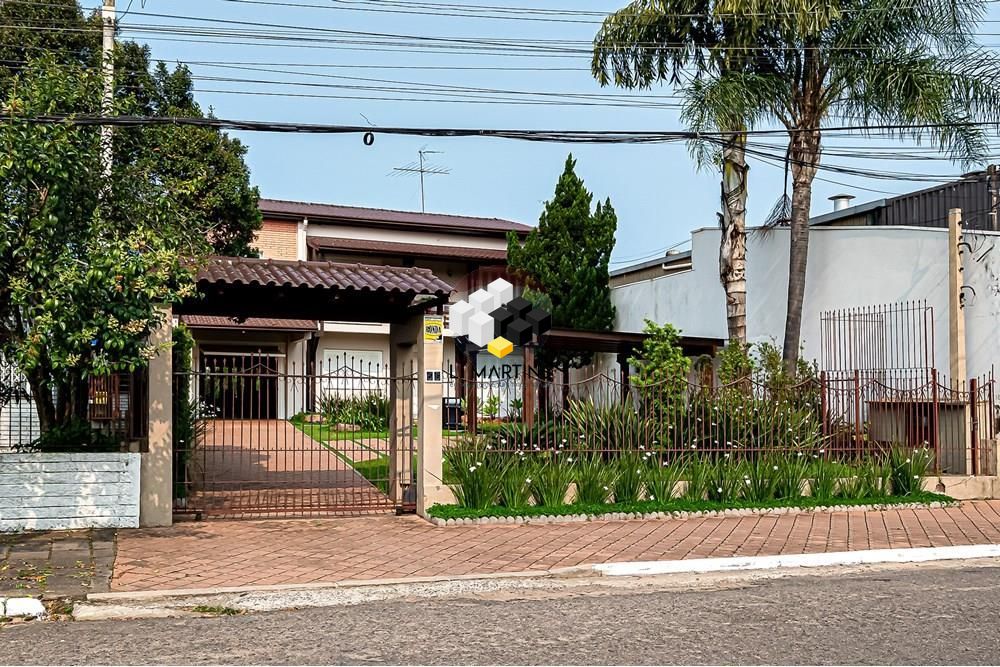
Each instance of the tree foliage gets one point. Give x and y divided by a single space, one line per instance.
206 162
84 273
567 256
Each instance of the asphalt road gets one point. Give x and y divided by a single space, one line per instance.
946 614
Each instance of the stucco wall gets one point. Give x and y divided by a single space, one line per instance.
848 266
68 491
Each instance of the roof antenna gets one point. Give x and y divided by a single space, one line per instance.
423 168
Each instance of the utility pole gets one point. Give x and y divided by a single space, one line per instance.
420 167
108 98
991 180
956 309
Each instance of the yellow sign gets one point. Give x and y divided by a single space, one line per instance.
434 329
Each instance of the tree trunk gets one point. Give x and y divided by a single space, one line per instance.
41 393
733 247
805 155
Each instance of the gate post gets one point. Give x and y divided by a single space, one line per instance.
431 488
156 470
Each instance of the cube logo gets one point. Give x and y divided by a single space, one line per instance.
492 318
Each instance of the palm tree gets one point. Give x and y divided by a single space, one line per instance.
690 26
912 68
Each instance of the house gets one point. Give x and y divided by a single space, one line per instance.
467 253
890 251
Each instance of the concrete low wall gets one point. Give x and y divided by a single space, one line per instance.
68 491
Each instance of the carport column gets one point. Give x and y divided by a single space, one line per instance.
402 392
156 471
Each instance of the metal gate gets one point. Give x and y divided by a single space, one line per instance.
252 440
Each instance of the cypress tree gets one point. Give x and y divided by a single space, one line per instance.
564 261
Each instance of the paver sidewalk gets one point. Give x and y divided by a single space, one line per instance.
249 553
56 563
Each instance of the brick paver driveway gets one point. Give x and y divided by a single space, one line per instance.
267 467
246 553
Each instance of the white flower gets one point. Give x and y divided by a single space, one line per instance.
605 488
747 482
641 447
694 446
774 467
822 451
569 460
503 441
489 446
719 489
564 441
726 455
907 460
799 454
916 477
527 481
472 468
652 497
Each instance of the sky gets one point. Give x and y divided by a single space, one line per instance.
656 190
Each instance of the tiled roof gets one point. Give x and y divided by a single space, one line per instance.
410 249
376 216
322 275
251 323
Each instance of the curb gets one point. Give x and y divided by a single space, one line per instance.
183 602
659 516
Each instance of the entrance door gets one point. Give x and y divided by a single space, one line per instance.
240 385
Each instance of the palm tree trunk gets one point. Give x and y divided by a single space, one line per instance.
733 247
804 158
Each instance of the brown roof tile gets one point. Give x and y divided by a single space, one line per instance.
409 249
324 275
279 207
254 323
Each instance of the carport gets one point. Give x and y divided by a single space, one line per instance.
245 467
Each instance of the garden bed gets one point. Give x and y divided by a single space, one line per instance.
441 515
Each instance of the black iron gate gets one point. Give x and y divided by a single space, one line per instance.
254 440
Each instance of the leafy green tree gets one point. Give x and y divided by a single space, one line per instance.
84 275
209 163
661 365
566 259
914 66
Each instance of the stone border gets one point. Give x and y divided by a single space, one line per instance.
655 516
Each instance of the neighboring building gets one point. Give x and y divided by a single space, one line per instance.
858 256
465 252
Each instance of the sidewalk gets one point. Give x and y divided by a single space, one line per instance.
261 553
56 563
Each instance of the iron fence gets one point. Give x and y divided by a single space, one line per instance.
839 415
117 405
256 438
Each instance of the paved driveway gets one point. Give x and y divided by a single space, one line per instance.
248 553
270 468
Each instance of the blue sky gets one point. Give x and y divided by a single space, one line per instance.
658 194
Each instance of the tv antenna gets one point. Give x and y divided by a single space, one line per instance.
422 167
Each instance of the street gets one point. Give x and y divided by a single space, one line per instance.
928 614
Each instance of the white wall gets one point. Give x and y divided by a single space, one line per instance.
68 491
848 267
430 237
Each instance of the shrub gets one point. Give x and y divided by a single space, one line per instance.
790 475
369 412
698 473
723 480
760 478
551 476
630 471
515 485
75 436
662 366
908 468
662 480
614 428
822 478
594 478
478 472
